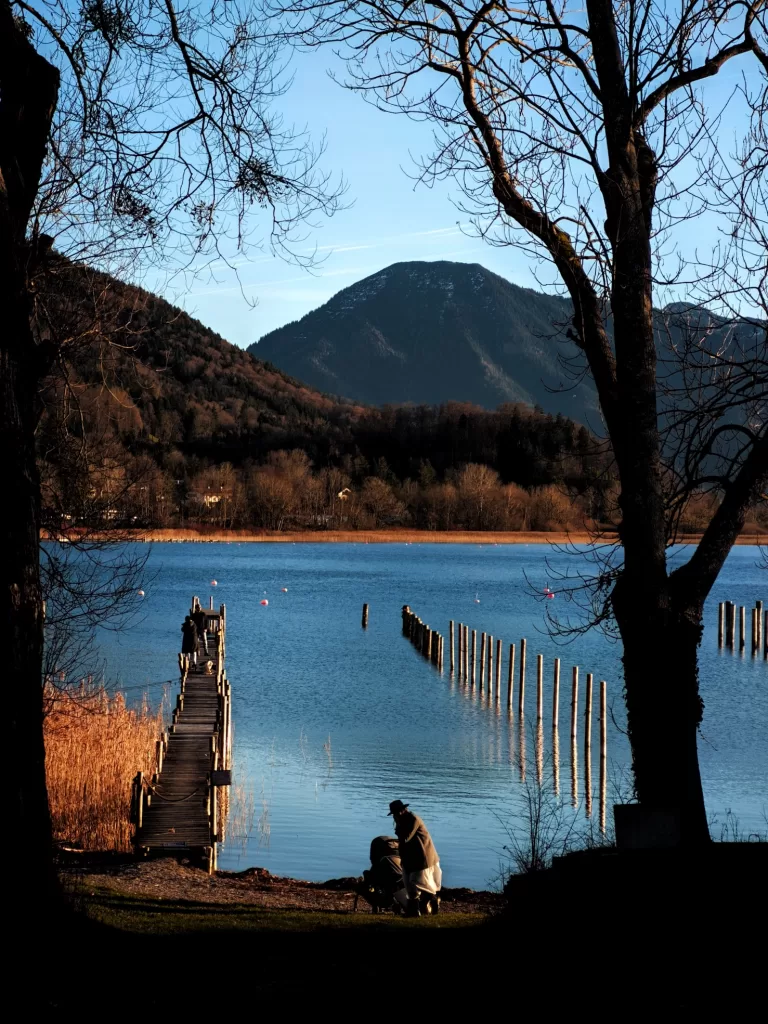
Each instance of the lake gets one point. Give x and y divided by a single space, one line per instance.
331 721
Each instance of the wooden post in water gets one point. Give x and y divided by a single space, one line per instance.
465 653
483 640
730 624
511 676
755 632
742 628
763 639
490 666
365 616
451 641
498 669
556 694
720 623
603 754
406 616
574 702
474 656
539 687
521 685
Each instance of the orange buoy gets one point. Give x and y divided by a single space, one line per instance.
285 590
214 583
264 601
141 593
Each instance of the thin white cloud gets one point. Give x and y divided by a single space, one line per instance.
387 240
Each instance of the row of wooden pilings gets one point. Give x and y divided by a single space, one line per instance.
463 666
728 614
426 640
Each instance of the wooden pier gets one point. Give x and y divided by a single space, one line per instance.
179 810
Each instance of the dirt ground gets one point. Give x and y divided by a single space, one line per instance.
166 878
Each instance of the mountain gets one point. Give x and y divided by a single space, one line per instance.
155 383
436 332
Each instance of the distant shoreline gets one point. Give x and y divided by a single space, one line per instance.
192 536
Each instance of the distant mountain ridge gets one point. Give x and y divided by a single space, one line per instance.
435 332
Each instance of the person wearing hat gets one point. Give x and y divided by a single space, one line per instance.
420 862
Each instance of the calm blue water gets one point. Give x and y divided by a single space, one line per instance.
332 722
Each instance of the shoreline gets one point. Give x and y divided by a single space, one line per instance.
489 537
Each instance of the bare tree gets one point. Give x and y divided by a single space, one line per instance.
585 135
129 130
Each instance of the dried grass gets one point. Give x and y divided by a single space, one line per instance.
212 535
95 744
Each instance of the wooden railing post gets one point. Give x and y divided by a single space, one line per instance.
139 801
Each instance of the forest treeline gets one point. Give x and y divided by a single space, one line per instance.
156 421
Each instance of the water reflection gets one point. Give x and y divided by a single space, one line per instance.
539 752
556 761
521 745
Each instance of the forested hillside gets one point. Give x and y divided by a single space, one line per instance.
157 420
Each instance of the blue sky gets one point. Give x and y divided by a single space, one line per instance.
389 218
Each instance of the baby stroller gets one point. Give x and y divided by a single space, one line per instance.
382 885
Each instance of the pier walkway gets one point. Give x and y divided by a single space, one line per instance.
179 809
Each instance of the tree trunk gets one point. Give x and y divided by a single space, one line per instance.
28 95
664 708
22 630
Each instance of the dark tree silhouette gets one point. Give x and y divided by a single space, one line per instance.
129 131
586 135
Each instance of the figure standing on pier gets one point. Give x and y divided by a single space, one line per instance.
189 641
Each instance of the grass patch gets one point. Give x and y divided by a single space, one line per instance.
147 916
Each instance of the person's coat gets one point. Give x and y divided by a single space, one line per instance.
417 851
188 638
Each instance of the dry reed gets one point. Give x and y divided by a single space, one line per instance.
394 536
94 746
